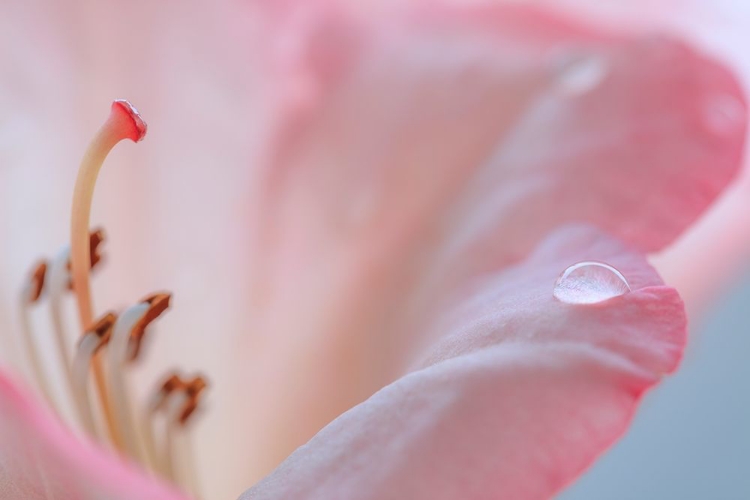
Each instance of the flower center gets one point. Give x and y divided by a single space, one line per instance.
155 434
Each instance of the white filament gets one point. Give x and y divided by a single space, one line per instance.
117 354
27 332
80 380
58 280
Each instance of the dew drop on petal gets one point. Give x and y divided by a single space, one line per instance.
590 282
577 74
724 114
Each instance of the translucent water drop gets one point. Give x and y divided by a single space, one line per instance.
590 282
578 74
724 114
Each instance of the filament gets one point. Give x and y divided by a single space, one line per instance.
124 347
183 458
27 332
124 122
153 410
59 278
91 343
174 408
155 458
117 355
80 377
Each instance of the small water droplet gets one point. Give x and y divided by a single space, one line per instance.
578 73
590 282
724 114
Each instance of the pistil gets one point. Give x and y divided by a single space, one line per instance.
124 122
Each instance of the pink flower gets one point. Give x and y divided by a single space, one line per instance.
375 244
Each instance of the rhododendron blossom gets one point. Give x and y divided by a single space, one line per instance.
440 287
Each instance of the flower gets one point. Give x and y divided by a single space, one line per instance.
417 171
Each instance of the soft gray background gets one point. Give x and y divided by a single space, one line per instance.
691 438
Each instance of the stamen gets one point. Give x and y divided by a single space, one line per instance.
60 281
177 401
91 343
124 122
156 405
125 345
181 406
31 294
157 304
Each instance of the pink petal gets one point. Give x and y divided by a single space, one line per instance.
520 393
39 459
433 145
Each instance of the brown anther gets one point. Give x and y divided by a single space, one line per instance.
102 328
171 384
37 282
158 303
96 238
194 389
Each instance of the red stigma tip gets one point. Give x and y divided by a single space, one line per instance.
139 126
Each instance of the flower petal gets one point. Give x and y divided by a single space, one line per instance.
39 459
518 394
445 142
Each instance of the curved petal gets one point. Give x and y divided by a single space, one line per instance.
445 142
722 237
517 395
39 459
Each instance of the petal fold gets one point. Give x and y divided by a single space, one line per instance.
515 396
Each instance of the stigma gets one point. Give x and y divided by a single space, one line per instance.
102 352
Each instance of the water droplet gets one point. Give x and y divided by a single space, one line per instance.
724 114
578 73
590 282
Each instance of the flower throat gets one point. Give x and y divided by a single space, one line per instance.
155 433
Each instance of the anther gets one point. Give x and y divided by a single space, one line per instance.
159 399
157 304
101 331
194 389
36 286
96 238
